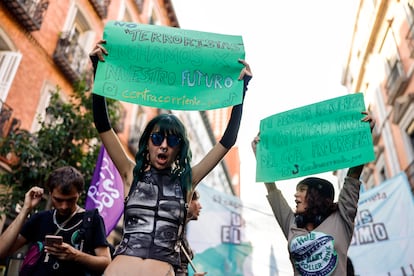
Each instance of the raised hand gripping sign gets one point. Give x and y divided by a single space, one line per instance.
316 138
170 68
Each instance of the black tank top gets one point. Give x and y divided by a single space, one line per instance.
154 218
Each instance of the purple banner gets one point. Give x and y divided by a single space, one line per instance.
106 191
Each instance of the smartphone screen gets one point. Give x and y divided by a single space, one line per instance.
51 240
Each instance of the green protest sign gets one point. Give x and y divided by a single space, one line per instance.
316 138
170 68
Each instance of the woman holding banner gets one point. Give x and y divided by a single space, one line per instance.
320 231
160 183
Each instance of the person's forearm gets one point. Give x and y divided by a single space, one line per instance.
9 236
270 187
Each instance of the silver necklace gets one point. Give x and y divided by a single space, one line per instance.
61 226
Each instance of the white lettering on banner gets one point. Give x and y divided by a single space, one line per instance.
106 197
235 219
366 231
232 232
198 78
386 226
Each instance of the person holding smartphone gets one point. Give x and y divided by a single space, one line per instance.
64 250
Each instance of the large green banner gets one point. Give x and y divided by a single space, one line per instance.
170 68
316 138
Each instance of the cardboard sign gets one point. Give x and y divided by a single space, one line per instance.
170 68
316 138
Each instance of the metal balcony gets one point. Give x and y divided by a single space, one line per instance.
101 7
396 82
71 59
6 119
140 5
29 13
410 39
171 13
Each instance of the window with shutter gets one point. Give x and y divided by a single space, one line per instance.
9 62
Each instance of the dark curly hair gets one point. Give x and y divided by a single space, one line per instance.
166 124
319 197
64 179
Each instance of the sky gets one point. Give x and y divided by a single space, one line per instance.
296 50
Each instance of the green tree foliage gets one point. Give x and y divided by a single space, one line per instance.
67 137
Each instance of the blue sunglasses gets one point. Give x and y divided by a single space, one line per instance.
172 140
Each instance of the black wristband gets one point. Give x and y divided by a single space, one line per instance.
246 80
100 113
99 107
355 172
230 135
94 60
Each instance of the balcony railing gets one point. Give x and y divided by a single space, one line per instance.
376 134
101 7
171 13
29 13
410 40
6 113
396 81
72 59
140 5
7 122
